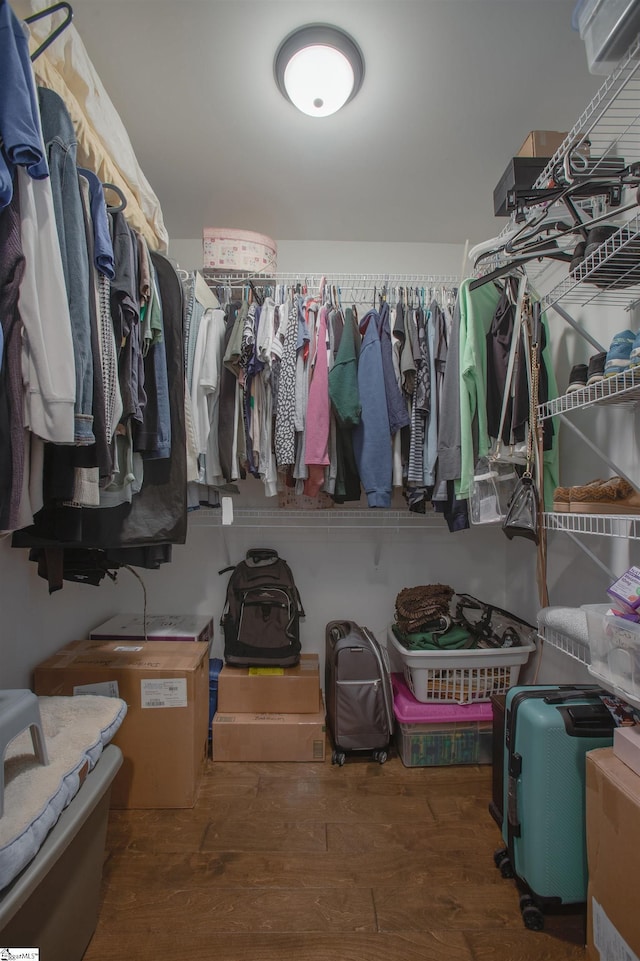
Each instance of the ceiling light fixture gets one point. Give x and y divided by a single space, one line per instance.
318 68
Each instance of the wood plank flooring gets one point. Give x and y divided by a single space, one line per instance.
313 862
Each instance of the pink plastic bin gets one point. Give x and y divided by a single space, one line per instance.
431 735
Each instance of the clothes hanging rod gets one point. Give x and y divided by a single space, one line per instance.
353 281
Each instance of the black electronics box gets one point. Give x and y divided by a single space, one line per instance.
521 172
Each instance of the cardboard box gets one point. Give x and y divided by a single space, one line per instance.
613 854
160 627
164 737
542 143
626 746
268 737
270 690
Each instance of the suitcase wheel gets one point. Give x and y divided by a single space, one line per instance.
380 756
503 862
338 757
531 914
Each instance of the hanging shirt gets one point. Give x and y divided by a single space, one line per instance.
20 133
60 141
50 383
285 432
372 436
103 248
317 440
12 265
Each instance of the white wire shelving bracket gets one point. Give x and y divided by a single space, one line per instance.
568 645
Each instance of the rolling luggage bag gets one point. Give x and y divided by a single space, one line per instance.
358 692
548 730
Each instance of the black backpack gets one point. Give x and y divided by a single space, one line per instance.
260 620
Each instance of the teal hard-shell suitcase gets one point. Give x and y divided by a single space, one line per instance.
548 731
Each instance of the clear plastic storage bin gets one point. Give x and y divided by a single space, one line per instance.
431 735
608 28
615 651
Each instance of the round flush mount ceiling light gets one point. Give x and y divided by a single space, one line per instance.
319 68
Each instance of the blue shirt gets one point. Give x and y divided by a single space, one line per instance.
103 247
372 436
19 111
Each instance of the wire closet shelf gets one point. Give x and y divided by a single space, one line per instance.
626 526
368 285
610 128
390 520
622 389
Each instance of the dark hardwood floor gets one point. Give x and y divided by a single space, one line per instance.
313 862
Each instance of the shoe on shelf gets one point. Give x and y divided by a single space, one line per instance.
619 353
578 377
634 356
595 370
578 256
614 496
562 495
598 236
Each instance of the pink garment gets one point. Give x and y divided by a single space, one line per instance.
317 421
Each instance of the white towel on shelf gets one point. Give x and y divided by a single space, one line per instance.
570 621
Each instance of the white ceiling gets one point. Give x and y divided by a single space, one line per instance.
451 89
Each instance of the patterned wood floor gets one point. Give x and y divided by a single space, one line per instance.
311 862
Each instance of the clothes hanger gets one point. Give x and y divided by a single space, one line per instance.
57 31
123 200
548 247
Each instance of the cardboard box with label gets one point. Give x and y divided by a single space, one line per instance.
613 855
164 737
268 737
159 627
266 690
542 143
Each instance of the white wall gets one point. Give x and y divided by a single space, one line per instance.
341 257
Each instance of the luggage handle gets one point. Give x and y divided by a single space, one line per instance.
576 693
512 807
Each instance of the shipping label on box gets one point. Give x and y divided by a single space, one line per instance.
609 942
103 688
167 692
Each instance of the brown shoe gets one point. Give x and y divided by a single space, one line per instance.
562 495
615 496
